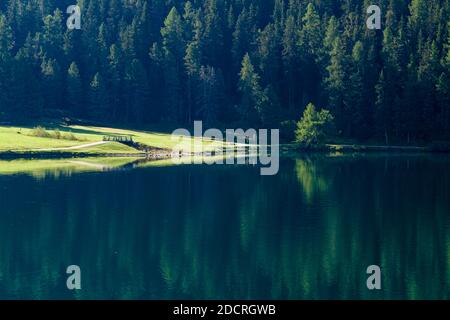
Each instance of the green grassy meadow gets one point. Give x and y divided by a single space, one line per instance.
21 140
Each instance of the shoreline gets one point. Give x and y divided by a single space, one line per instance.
166 154
11 155
356 148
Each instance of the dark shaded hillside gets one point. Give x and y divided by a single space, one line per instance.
256 62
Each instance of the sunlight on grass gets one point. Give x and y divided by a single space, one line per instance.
22 139
109 148
152 139
13 138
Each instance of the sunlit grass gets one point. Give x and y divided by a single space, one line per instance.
110 148
153 139
22 140
17 139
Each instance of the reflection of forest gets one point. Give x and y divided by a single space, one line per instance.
226 232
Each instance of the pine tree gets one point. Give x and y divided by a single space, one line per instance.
244 34
382 113
98 98
25 92
212 37
291 59
270 110
137 92
210 99
428 73
52 84
269 54
6 45
74 98
310 42
253 98
354 95
53 40
418 17
115 81
443 91
310 38
174 49
192 65
335 82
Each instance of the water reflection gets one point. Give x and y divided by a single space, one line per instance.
221 232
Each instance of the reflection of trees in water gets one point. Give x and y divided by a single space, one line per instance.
312 177
392 213
322 251
309 232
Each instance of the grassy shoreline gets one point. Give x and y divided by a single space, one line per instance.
86 142
364 148
346 148
8 155
166 154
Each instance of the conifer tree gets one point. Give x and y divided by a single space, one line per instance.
74 99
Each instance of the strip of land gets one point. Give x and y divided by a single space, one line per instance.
60 141
364 148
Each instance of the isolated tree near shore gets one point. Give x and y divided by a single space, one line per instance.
312 127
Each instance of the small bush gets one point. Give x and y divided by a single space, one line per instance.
311 129
57 134
42 133
70 136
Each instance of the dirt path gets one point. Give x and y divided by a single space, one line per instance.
93 144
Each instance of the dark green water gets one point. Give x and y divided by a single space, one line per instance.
225 232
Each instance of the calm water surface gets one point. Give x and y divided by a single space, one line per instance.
225 232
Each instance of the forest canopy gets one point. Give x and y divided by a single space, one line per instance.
253 62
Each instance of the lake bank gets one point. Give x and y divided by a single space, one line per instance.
161 154
359 148
65 155
89 141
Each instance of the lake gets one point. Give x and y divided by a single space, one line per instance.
143 231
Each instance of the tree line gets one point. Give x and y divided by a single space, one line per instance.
250 62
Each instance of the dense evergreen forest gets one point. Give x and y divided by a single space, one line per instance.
248 62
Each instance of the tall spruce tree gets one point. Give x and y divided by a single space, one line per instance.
253 97
74 99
